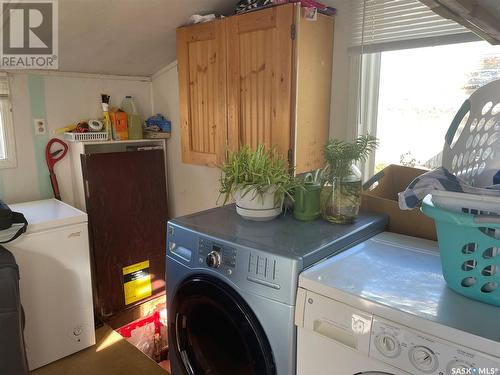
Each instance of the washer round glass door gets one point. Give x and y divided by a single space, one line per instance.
212 330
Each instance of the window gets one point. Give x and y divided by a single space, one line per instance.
415 70
420 91
7 142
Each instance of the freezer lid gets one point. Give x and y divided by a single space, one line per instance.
48 214
392 272
307 242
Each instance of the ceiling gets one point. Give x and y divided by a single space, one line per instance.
492 6
125 37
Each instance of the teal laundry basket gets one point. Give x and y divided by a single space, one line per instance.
470 251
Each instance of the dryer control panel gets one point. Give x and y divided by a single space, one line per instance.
421 354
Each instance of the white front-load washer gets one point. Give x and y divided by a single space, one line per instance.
383 307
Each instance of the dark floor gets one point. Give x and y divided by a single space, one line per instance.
112 355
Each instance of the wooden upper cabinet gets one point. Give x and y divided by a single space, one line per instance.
313 85
260 78
201 57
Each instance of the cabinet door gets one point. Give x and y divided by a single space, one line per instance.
259 78
201 55
313 88
127 206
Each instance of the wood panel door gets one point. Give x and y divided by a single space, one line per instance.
260 56
201 57
127 207
313 91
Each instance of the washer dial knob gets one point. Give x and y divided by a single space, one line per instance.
423 359
214 259
387 345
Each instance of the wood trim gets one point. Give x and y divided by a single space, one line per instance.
200 31
201 158
258 20
233 85
282 98
313 90
222 132
293 96
183 74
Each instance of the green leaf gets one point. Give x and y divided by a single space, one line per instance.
257 170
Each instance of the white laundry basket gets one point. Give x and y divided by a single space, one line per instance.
467 203
472 145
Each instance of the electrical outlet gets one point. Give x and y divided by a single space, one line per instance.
40 126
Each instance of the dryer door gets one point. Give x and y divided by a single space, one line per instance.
212 330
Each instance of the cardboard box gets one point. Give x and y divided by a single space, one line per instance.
383 198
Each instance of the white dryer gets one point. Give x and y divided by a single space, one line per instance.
383 307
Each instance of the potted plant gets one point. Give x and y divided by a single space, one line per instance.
341 180
257 180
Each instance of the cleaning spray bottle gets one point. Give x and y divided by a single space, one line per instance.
105 113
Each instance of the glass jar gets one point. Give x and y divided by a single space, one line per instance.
341 196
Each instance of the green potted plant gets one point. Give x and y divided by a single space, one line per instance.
341 180
257 180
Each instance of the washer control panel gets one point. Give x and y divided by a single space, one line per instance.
216 256
263 270
421 354
261 273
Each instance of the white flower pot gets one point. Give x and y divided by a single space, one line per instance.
257 207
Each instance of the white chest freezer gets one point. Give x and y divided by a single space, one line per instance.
55 284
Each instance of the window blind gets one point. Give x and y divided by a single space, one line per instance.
381 25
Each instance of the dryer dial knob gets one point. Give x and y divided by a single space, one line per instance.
387 345
214 259
423 359
458 367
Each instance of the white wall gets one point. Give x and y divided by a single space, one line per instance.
68 98
191 188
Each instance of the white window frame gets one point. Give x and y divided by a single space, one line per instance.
364 87
8 128
366 90
385 25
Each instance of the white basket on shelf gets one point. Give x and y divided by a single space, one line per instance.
467 203
89 136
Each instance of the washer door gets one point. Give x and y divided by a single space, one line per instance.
212 330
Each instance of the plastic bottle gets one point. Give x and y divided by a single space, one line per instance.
119 121
134 119
105 115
